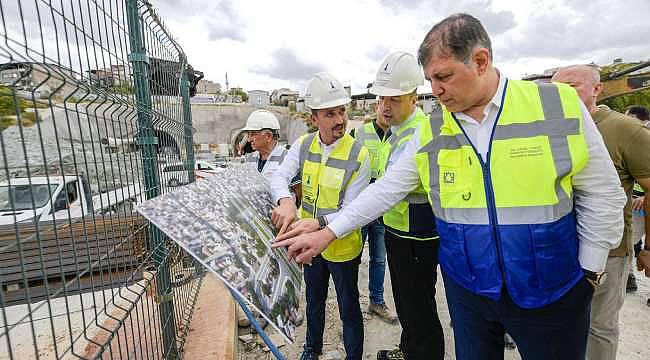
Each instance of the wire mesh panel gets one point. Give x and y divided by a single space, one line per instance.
94 117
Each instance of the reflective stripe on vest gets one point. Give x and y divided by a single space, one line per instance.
324 186
272 162
406 218
509 220
369 138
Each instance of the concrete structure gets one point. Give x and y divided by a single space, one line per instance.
259 98
113 76
283 96
221 123
365 102
208 87
300 105
428 103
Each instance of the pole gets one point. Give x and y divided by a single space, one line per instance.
148 148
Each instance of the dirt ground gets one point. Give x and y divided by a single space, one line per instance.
634 324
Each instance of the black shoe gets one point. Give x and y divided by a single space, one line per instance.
631 284
395 354
309 354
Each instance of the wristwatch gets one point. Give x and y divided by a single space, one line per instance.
322 222
595 278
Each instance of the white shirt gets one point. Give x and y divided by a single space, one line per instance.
598 196
291 165
269 166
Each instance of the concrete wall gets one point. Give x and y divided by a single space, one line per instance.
219 123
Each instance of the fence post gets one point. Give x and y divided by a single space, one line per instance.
187 119
147 142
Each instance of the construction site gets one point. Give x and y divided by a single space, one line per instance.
138 215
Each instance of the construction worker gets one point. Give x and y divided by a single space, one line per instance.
624 137
263 131
374 135
526 200
334 169
411 238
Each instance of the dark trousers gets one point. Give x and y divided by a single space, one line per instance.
345 276
412 265
554 332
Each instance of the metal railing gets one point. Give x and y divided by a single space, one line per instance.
94 117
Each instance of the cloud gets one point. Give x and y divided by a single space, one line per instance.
218 32
581 31
430 12
263 44
377 53
225 23
287 66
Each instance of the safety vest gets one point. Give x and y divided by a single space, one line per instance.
637 190
272 162
412 217
509 220
324 184
369 138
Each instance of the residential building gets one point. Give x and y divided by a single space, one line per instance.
208 87
258 98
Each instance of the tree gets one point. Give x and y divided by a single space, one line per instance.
238 91
621 102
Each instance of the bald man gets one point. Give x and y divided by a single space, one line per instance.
623 138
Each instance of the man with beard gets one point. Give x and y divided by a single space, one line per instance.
527 202
334 169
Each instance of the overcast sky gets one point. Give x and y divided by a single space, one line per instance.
282 43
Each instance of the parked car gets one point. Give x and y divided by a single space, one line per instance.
221 161
175 174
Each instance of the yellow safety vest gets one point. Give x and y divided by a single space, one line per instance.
324 184
411 217
369 138
509 220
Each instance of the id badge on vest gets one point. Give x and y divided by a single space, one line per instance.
308 191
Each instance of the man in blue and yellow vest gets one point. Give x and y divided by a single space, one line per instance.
334 169
527 202
374 135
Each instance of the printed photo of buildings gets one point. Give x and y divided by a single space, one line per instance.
225 222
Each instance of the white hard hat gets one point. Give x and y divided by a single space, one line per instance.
261 119
399 74
324 91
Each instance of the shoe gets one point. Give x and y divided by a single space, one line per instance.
382 311
309 354
509 343
395 354
631 284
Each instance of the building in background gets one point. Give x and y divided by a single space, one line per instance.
208 87
110 77
259 98
283 97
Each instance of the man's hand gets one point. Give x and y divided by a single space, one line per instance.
637 204
305 247
302 226
284 214
643 262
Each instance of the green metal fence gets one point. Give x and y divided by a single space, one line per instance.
94 117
